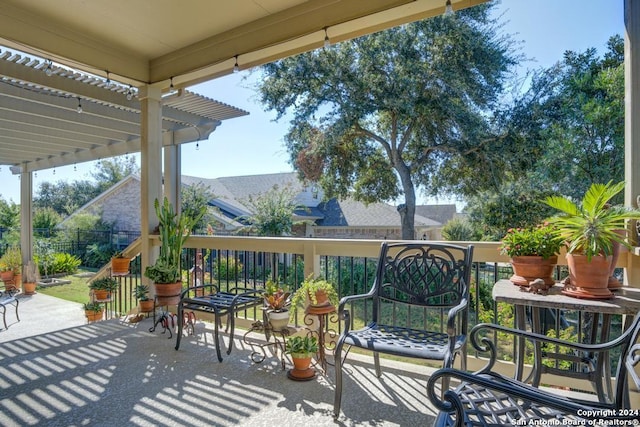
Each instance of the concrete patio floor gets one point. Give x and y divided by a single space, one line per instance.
57 370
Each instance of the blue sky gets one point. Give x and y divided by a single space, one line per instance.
254 144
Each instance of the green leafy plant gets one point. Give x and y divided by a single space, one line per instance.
11 260
141 292
301 346
589 228
174 230
104 283
92 306
542 240
275 297
308 289
118 254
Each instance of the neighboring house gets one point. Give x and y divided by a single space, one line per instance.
346 219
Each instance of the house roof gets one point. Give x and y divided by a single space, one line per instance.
439 213
351 213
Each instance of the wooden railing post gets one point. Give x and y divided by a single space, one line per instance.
311 260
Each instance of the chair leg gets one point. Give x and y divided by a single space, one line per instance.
376 363
180 316
4 315
215 335
17 302
231 321
337 399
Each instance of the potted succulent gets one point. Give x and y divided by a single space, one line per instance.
165 273
590 230
141 293
533 252
301 349
276 302
315 293
120 263
93 311
103 286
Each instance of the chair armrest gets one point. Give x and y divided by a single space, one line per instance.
453 313
344 314
516 391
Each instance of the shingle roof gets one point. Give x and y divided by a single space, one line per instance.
440 213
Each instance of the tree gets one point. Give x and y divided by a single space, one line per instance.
272 212
113 170
9 214
384 114
195 198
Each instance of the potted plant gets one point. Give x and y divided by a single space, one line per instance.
590 230
533 252
120 263
165 273
11 262
315 293
93 311
141 293
301 349
276 302
30 278
103 286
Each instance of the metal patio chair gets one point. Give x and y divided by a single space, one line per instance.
488 398
427 283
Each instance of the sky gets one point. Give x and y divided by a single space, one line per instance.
254 144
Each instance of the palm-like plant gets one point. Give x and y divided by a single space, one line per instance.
589 228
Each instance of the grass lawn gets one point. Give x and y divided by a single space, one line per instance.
76 291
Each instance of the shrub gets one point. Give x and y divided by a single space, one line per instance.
227 268
60 263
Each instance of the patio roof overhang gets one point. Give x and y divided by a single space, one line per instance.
40 126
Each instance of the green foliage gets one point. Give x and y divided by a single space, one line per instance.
81 221
227 268
9 214
589 228
195 199
542 240
388 112
301 346
46 219
308 289
62 263
174 230
92 306
141 292
459 229
113 170
97 254
275 297
104 283
272 212
44 256
11 260
63 197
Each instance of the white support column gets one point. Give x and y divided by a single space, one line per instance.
150 168
26 217
172 173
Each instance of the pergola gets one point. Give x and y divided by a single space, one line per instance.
160 47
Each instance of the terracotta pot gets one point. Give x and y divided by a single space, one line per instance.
120 266
146 306
29 288
278 320
101 294
6 276
588 279
168 293
528 268
93 316
322 298
301 368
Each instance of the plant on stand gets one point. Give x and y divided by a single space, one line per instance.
165 273
590 230
276 301
314 293
102 287
120 263
141 293
301 349
533 252
93 311
11 262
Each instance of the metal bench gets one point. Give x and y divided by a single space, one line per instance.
209 299
8 298
488 398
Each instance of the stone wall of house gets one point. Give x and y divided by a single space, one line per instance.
122 207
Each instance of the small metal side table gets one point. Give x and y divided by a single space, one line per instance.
278 343
321 313
625 302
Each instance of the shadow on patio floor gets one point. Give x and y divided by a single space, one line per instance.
113 373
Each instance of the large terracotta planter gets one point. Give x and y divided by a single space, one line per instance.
93 316
529 268
168 293
120 266
588 279
6 276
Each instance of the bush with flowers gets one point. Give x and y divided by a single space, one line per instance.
541 240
